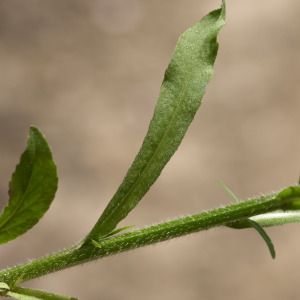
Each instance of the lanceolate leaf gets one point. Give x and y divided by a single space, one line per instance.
264 235
183 87
31 189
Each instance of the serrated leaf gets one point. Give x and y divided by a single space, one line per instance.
31 189
183 87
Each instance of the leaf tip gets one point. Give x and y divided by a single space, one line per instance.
223 9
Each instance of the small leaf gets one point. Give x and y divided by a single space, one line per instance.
21 297
249 222
96 244
229 191
264 235
26 293
101 238
183 87
115 232
31 189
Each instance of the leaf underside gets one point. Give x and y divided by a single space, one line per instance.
183 87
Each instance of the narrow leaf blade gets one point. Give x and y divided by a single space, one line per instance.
264 235
21 297
31 189
184 85
229 191
38 294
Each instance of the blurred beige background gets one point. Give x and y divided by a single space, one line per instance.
88 73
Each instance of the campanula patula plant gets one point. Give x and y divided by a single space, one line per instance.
34 183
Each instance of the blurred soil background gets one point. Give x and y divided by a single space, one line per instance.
87 73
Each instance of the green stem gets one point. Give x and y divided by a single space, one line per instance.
79 254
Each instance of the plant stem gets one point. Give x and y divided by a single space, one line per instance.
79 254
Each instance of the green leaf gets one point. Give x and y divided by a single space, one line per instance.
183 87
25 293
21 297
31 189
6 289
264 235
114 232
251 223
229 191
277 218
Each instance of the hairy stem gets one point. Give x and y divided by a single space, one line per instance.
93 250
